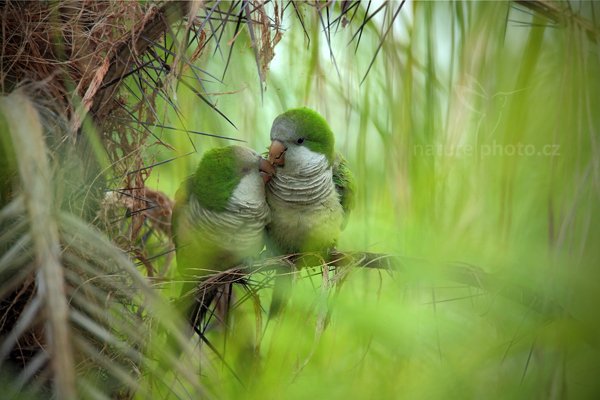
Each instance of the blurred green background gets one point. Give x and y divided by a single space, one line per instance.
474 138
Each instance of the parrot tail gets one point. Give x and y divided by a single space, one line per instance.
282 288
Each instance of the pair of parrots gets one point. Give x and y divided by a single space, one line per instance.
236 201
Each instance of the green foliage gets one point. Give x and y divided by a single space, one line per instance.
473 139
7 164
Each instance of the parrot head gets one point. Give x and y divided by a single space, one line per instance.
298 136
227 172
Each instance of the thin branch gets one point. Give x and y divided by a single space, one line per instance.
560 14
461 273
382 40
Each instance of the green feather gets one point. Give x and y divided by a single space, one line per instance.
216 178
345 184
311 126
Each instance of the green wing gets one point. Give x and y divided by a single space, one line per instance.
344 184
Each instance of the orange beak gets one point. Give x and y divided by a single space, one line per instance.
277 153
266 169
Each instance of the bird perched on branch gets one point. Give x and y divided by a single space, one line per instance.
218 220
311 192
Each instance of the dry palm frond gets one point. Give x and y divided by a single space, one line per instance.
72 304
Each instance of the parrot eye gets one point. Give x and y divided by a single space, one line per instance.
245 170
300 141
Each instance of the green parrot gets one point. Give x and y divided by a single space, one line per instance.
312 191
218 220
